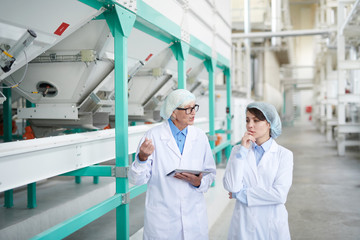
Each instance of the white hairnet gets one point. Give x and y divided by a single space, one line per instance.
175 99
271 116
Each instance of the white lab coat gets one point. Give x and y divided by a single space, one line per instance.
174 209
268 184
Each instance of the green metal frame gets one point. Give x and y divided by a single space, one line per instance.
120 22
228 110
181 51
31 187
210 67
31 195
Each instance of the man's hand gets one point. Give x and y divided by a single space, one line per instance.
190 178
146 149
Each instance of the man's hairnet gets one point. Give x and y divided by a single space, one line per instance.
175 99
271 116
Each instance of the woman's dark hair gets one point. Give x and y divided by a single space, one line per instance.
257 113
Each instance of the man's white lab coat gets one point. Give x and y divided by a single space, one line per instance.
174 209
267 184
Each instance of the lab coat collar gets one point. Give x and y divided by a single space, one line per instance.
266 145
273 148
175 130
168 136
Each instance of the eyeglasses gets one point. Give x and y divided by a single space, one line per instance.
190 109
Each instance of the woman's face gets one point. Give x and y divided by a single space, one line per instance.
181 119
260 130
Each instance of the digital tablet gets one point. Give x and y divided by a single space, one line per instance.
196 172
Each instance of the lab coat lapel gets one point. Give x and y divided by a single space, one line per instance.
169 139
252 162
267 155
190 138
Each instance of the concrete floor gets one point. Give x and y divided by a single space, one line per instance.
323 203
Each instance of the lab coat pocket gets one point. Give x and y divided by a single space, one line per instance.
279 230
157 221
250 222
201 224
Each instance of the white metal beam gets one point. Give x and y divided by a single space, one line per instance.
29 161
349 64
349 98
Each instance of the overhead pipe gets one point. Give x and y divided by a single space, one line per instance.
293 33
247 30
275 21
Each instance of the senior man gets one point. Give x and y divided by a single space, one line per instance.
175 206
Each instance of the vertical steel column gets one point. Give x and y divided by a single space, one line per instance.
341 56
341 52
77 179
247 41
31 187
31 195
218 157
121 22
228 110
181 51
210 67
7 125
133 156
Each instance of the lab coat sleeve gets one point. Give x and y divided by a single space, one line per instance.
209 165
234 172
277 193
140 172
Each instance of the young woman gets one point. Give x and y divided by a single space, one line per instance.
259 175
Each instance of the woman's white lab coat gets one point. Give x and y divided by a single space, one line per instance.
173 206
267 184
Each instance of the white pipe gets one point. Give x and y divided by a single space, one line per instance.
275 20
247 30
293 33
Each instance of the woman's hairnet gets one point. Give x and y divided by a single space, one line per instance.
271 116
175 99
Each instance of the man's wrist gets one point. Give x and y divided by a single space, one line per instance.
142 158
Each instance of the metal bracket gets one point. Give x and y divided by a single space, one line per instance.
229 131
120 172
212 138
125 198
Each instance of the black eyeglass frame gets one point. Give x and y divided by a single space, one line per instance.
190 109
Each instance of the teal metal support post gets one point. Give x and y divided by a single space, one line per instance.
77 179
181 51
210 67
8 195
228 110
218 157
31 187
134 154
96 178
31 195
121 22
